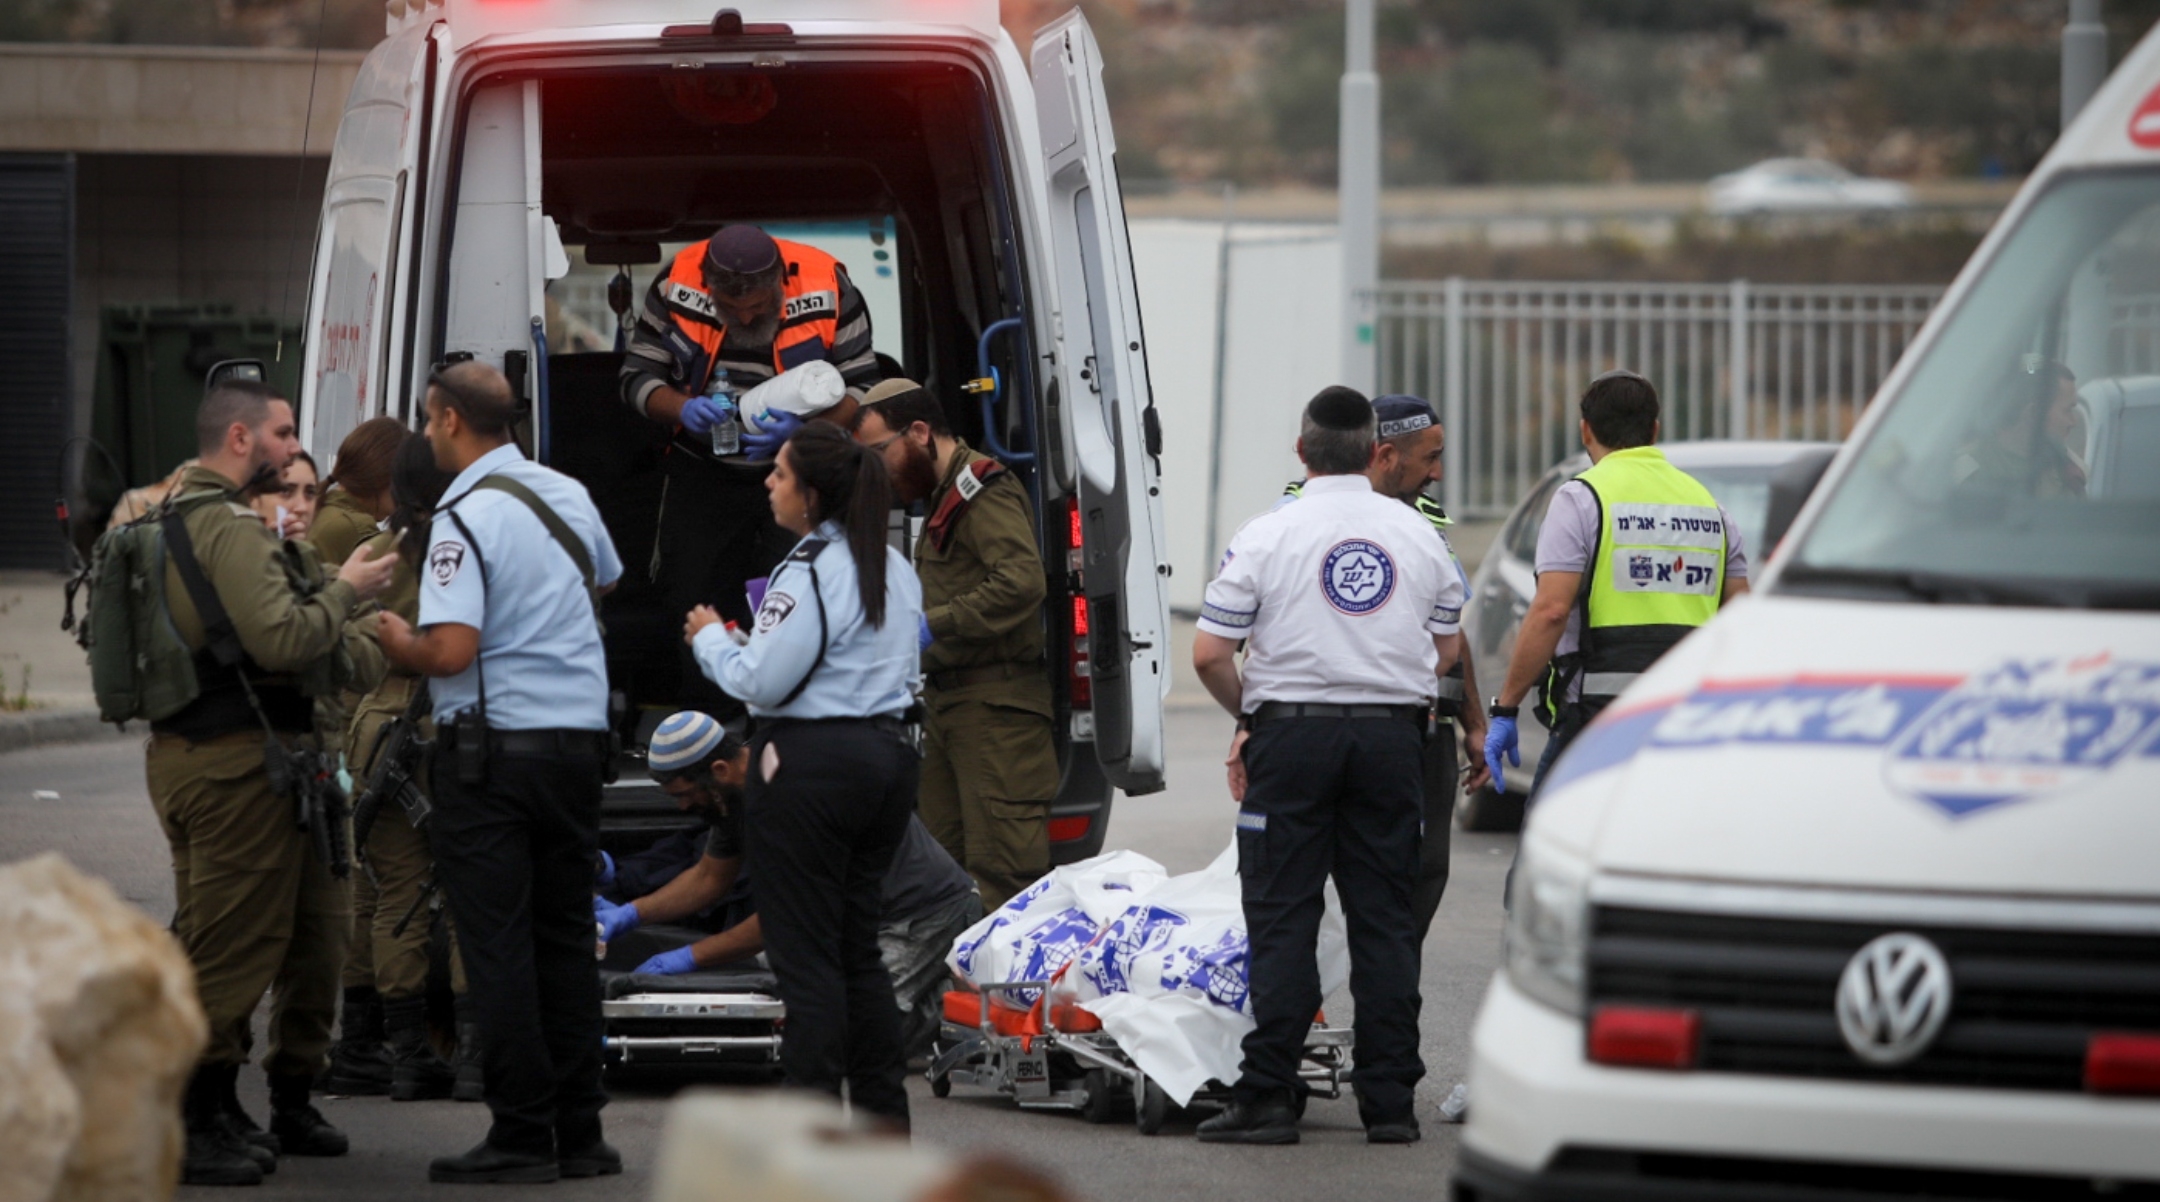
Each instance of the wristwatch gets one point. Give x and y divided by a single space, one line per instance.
1497 710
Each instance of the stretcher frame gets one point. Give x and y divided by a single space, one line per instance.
730 1007
1019 1065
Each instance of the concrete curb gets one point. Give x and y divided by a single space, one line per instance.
39 727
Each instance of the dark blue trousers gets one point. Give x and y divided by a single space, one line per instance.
1340 796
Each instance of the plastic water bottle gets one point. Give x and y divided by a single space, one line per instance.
727 432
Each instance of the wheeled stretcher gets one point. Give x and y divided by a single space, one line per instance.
1056 1056
717 1017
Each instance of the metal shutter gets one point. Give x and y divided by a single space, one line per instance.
37 261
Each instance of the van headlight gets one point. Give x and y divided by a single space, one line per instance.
1547 915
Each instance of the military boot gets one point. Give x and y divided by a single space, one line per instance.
261 1145
471 1086
298 1125
214 1155
359 1067
417 1073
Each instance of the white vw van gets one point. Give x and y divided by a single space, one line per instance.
498 159
1857 893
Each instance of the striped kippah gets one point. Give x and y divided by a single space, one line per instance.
683 740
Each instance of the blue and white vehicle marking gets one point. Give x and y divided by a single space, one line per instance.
2016 731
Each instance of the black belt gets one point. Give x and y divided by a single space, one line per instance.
1271 711
894 724
962 677
563 743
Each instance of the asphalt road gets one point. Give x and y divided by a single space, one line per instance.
87 802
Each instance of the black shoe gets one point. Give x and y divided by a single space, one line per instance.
487 1164
262 1147
298 1125
214 1155
416 1072
358 1065
471 1085
598 1160
1252 1123
1404 1132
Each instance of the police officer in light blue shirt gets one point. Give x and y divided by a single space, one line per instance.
510 635
827 670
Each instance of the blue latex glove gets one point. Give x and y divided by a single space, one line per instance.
606 875
701 413
1500 740
668 964
923 637
762 436
614 920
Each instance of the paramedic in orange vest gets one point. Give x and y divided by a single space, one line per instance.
753 305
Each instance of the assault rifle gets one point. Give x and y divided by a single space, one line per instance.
304 775
394 759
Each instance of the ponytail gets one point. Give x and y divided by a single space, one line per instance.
416 487
851 487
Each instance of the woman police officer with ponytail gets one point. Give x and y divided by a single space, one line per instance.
829 669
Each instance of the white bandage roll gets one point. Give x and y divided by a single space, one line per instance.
810 389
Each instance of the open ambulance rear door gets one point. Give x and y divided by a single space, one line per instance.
1107 413
361 276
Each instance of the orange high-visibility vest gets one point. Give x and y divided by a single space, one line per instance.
809 322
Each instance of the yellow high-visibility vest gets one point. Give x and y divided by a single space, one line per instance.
1658 571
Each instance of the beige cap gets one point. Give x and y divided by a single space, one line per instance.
885 390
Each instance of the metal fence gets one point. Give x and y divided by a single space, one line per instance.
1507 361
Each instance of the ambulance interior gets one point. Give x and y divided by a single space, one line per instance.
895 167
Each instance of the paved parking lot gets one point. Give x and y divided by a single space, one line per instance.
101 820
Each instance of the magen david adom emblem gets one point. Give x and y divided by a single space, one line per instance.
1357 576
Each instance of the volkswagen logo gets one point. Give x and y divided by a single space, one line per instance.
1893 999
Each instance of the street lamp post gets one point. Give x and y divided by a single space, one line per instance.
1358 197
2084 57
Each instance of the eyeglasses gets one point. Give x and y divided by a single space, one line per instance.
879 446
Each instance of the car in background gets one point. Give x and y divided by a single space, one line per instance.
1737 473
1802 186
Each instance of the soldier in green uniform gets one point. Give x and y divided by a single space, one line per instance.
399 864
257 909
355 501
990 765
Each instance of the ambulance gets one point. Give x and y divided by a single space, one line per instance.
1856 893
509 174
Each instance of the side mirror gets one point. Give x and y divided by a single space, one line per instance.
1790 487
233 369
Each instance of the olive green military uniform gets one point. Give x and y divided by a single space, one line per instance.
398 860
990 765
257 910
341 525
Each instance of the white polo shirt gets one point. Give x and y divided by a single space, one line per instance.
1340 596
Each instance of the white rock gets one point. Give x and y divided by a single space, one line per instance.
99 1027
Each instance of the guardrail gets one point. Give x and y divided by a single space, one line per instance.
1507 360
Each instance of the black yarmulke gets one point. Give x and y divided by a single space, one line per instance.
1340 408
743 250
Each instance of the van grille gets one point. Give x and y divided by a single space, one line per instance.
2023 1002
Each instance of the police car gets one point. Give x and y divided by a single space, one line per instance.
1854 894
489 147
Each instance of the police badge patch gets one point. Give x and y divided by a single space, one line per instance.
1357 576
776 609
444 559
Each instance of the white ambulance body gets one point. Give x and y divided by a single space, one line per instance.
493 150
1856 893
